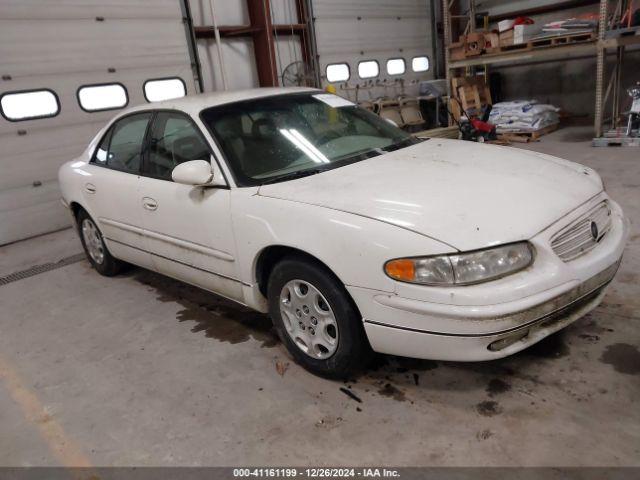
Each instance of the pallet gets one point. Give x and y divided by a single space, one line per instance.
526 137
443 132
553 41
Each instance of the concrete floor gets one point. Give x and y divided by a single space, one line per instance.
142 370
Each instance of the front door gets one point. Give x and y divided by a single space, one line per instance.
187 229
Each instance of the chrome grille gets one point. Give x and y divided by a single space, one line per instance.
583 234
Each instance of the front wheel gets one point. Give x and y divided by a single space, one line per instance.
316 319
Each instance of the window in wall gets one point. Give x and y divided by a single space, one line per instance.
174 140
164 89
28 105
121 147
338 72
368 69
396 66
95 98
420 64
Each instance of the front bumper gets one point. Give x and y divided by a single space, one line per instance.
547 319
499 318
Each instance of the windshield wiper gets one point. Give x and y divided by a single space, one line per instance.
402 144
294 175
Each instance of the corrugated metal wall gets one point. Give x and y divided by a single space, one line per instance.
62 45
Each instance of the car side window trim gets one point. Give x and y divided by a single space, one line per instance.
109 132
144 164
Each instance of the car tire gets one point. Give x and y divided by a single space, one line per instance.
333 345
95 248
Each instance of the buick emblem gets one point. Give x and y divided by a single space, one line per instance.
594 231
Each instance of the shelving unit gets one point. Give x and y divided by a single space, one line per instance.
599 47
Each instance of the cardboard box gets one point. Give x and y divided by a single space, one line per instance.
491 42
506 38
522 33
474 44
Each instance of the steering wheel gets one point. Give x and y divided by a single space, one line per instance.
327 137
263 128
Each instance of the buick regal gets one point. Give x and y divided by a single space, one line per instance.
353 235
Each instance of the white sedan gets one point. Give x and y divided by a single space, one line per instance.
353 235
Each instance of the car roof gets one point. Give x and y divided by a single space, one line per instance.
194 104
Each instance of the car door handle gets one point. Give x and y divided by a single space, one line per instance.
89 188
149 203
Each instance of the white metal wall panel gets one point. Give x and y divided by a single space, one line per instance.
374 30
228 12
61 47
283 12
239 59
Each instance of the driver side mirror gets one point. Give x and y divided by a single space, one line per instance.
199 173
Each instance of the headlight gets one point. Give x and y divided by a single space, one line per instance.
462 268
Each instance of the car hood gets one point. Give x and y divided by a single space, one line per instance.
464 194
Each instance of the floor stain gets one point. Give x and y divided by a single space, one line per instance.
592 327
484 435
589 338
624 358
489 408
329 422
217 317
392 392
497 386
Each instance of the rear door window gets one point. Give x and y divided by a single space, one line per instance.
121 147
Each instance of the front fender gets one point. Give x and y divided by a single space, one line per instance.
355 248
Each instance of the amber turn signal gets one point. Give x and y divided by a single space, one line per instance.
401 269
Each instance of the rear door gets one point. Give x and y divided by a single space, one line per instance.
188 229
111 189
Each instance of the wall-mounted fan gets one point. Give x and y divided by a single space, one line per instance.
298 74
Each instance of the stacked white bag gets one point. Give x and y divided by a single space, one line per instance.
523 116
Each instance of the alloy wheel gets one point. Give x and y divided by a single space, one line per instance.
92 241
309 319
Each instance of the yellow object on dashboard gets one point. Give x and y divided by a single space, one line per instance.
333 113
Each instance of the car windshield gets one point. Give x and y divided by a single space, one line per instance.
279 138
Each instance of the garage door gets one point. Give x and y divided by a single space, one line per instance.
369 41
53 53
